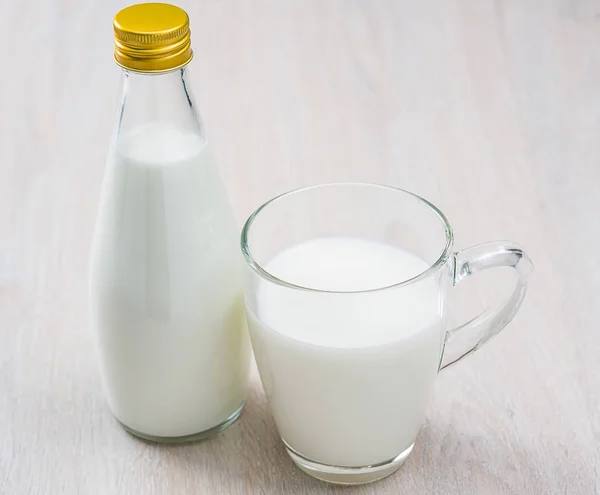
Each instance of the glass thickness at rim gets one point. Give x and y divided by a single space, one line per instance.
441 260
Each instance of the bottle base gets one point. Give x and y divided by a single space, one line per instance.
348 475
202 435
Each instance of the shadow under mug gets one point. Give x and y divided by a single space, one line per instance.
351 414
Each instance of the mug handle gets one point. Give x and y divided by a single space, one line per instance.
468 337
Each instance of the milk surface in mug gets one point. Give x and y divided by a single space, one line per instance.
348 374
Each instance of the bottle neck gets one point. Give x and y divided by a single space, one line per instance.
165 98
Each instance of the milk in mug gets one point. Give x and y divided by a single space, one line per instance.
347 374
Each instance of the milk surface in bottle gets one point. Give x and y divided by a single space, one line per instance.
165 281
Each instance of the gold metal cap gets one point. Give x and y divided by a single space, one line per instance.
152 38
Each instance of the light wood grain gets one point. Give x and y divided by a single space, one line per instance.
491 109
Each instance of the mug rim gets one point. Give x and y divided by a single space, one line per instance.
431 269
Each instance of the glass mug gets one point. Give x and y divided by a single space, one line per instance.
346 298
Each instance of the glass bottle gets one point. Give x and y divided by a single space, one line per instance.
165 281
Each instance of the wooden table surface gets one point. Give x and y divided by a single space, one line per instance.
491 109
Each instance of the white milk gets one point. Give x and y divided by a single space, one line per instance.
348 376
165 286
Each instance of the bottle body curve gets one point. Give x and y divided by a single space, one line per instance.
165 274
